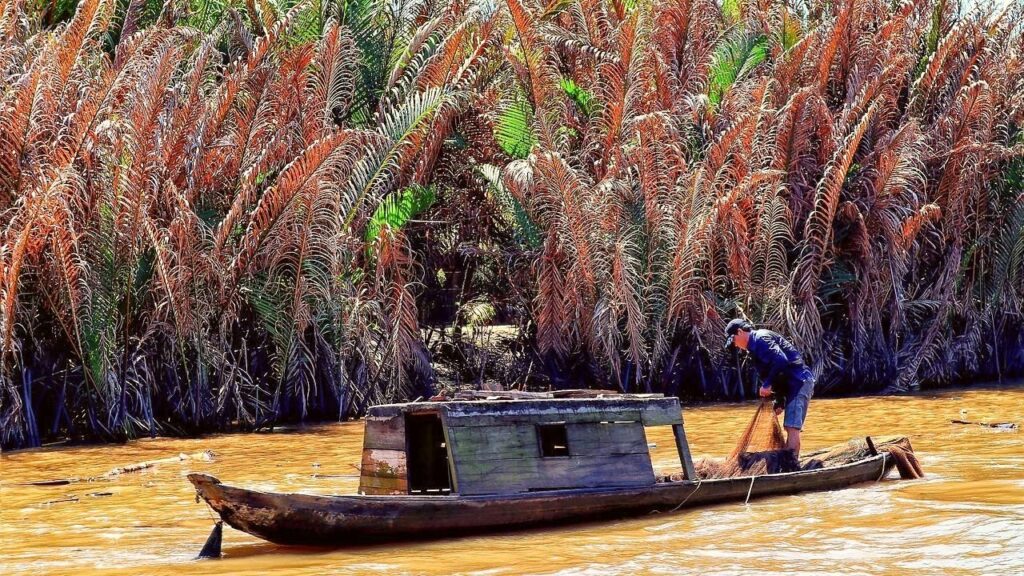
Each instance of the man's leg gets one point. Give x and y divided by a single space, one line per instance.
796 412
793 440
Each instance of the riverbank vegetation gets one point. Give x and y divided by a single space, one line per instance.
233 214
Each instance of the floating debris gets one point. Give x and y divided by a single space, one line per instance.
999 425
201 456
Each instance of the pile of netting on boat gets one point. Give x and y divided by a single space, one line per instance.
761 450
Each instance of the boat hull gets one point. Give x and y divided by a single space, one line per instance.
304 519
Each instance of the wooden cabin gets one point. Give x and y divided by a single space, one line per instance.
510 446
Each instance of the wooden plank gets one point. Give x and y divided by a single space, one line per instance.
569 393
514 476
533 408
506 441
519 441
497 476
384 432
662 413
606 439
383 463
378 486
452 475
684 452
511 419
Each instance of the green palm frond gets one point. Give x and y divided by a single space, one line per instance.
583 98
400 134
513 129
398 208
732 10
739 53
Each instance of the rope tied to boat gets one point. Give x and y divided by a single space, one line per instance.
680 505
749 490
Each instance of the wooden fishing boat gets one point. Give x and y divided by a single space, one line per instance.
440 469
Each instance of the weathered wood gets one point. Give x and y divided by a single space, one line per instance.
658 407
383 463
543 418
385 432
684 451
383 472
507 458
346 520
523 475
662 413
519 441
606 438
650 409
1003 425
523 395
371 485
452 475
499 442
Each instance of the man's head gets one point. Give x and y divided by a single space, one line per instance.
738 333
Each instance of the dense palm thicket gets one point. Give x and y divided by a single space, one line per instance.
235 214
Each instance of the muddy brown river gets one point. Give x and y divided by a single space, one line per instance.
965 517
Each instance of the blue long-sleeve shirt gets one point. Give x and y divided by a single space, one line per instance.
776 359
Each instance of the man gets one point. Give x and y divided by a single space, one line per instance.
781 369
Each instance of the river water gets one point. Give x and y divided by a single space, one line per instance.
965 517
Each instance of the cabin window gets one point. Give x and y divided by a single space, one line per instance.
427 460
554 441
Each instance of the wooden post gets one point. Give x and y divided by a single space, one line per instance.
871 446
684 452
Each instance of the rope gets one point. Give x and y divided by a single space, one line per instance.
699 480
749 490
880 476
209 509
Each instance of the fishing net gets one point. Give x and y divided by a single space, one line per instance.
763 433
774 462
898 447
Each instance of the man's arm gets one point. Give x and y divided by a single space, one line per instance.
777 360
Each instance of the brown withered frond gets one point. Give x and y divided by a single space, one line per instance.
273 220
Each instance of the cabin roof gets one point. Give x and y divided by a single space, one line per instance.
651 410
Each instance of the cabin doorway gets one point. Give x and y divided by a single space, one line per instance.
427 454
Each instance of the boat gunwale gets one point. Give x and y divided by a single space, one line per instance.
539 494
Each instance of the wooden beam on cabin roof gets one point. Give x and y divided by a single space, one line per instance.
559 405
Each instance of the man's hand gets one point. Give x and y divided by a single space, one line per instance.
778 410
765 391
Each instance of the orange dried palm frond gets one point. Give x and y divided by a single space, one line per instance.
837 33
304 171
818 229
332 81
